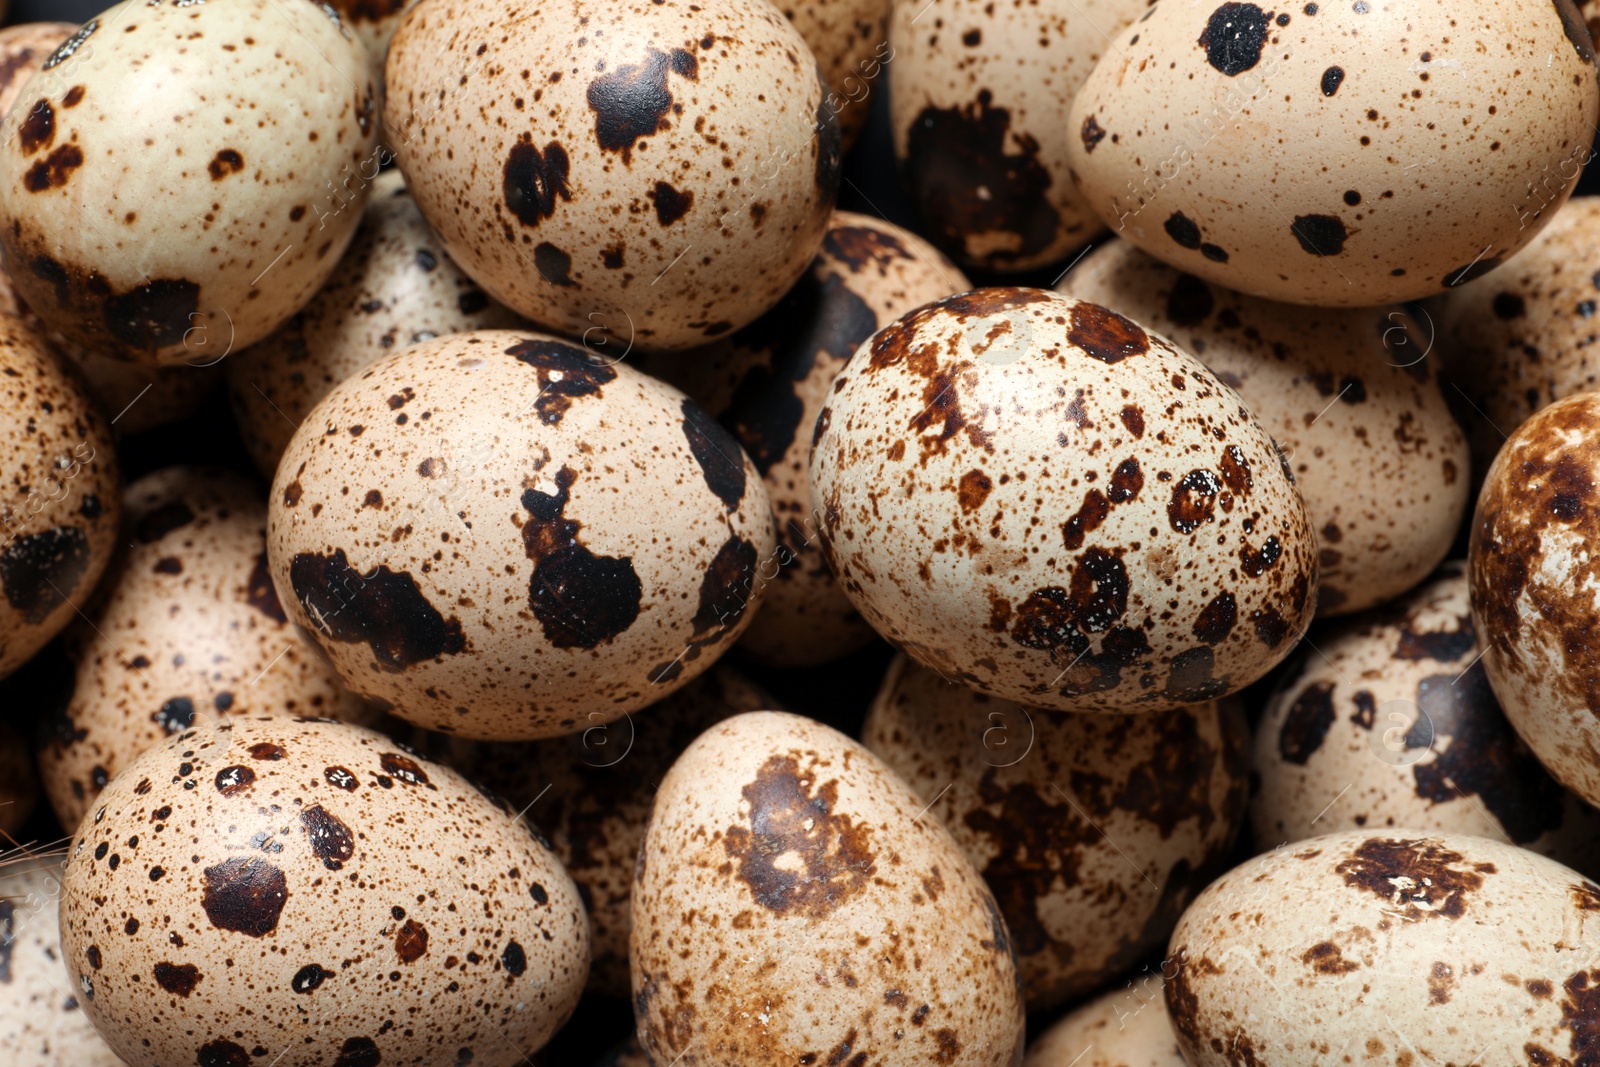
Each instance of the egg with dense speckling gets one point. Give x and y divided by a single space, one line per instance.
1337 154
850 39
1348 394
768 382
1533 570
60 500
500 534
1390 721
190 625
591 793
1094 832
1039 499
656 172
202 240
42 1023
1124 1028
19 782
793 905
978 95
1387 942
368 905
395 288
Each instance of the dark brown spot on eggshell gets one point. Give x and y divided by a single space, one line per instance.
266 750
1193 501
403 768
535 180
157 314
176 978
245 895
553 265
1306 724
411 941
260 593
358 1052
231 781
1421 879
38 131
39 571
1106 335
1091 134
309 978
1234 36
383 609
973 490
330 839
633 101
717 453
671 204
222 1053
225 162
566 373
579 598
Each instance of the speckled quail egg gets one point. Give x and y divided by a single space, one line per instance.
41 1020
1349 395
850 39
1390 721
1094 832
1533 572
1337 154
1382 944
60 500
190 626
978 94
769 381
373 21
183 177
793 905
499 533
310 889
1124 1028
395 288
1520 338
656 172
19 782
591 791
1039 499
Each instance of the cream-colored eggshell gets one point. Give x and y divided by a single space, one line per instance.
1390 722
1123 1028
791 905
1520 338
1338 154
41 1020
768 383
394 288
656 172
190 627
499 534
1094 832
373 21
978 94
60 497
850 39
19 781
309 888
1387 947
1349 394
181 178
1037 498
1533 571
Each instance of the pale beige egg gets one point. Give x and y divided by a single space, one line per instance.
1124 1028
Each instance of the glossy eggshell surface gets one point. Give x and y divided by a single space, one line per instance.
1094 832
1390 722
499 533
396 287
60 500
659 173
979 92
1337 154
850 39
190 628
184 246
1387 943
1041 500
1533 572
42 1023
1127 1027
1351 396
376 907
791 905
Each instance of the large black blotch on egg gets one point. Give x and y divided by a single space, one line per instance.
157 314
1234 37
383 609
245 895
566 372
579 598
38 572
633 101
720 458
535 180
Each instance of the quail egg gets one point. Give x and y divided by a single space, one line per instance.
850 39
1041 500
373 21
23 50
1123 1028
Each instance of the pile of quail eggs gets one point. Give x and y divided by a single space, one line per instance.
739 533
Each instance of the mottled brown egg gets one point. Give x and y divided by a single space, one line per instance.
395 288
19 782
1337 154
499 534
367 905
1123 1028
655 172
1041 500
1520 338
768 382
1393 946
1533 571
978 94
792 904
1094 832
183 245
591 792
189 627
1349 395
60 500
850 39
42 1023
373 21
1390 721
